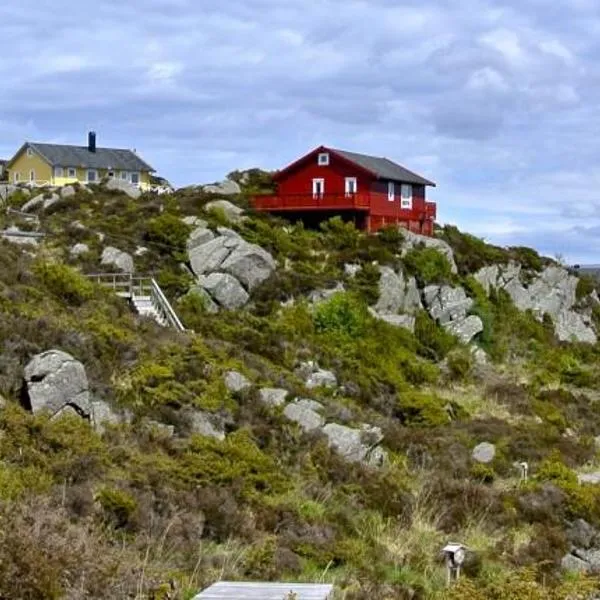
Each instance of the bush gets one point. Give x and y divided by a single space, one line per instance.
169 233
65 283
460 363
422 409
341 314
435 342
428 265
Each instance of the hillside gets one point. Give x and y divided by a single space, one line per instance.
340 407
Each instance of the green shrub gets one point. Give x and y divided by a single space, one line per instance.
65 283
118 506
460 363
483 473
585 286
341 314
340 235
428 265
421 409
435 342
366 283
169 233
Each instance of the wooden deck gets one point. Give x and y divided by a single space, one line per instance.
226 590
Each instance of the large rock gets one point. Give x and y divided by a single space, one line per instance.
79 249
446 303
552 292
316 377
465 329
405 321
412 240
229 253
236 382
305 415
354 445
581 534
118 258
200 236
484 453
124 186
67 191
225 289
273 397
206 425
232 212
226 188
208 257
250 264
397 295
571 326
53 380
573 564
193 221
35 202
50 201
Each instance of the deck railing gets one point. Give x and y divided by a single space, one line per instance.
131 287
312 201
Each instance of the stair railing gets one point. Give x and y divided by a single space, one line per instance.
128 286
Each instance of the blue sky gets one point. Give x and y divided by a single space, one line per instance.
496 102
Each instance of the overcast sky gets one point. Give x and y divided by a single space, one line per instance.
496 102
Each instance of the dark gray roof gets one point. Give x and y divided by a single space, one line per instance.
384 168
59 155
226 590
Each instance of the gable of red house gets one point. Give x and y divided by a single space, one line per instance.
371 191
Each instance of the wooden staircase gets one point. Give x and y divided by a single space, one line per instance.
144 294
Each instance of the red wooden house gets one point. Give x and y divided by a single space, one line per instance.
373 192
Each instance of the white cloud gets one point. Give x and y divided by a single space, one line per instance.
492 102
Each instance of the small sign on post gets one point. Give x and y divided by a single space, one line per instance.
455 556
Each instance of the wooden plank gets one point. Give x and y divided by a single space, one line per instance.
227 590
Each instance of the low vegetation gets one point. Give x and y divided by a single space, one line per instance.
132 512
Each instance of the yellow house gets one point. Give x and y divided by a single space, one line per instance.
59 164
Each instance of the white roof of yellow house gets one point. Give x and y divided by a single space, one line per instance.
62 155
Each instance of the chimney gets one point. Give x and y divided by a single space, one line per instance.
92 141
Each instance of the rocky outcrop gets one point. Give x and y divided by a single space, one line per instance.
465 329
226 187
210 306
79 249
552 292
102 415
54 380
33 204
227 267
118 258
50 201
315 377
67 191
236 382
233 213
225 290
412 240
206 425
124 186
449 307
273 397
399 299
484 453
356 445
305 414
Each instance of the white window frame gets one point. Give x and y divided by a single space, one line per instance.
135 174
406 196
124 176
391 191
87 176
29 151
315 182
350 186
72 172
16 176
323 159
32 178
59 172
